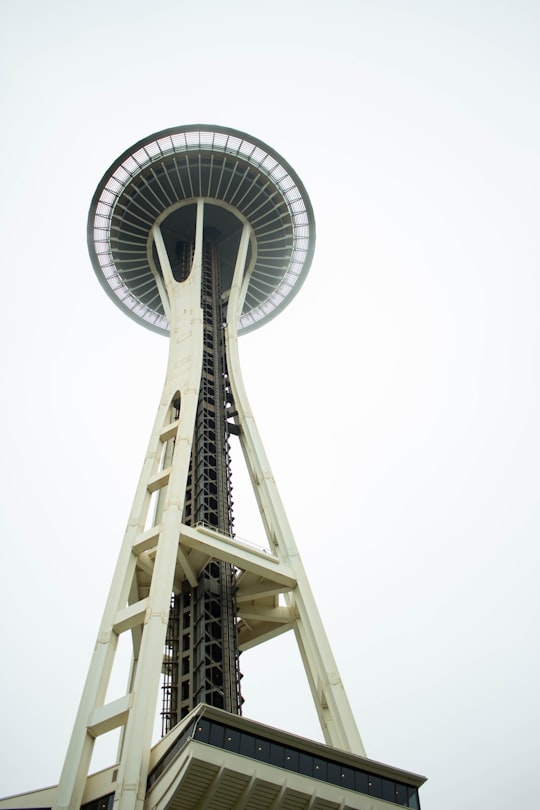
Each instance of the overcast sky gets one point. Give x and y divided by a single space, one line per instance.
398 396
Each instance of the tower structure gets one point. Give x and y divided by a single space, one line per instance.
203 233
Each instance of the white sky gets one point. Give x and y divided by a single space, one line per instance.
398 396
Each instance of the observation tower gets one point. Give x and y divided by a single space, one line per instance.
203 233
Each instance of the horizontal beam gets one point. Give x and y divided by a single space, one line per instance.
221 547
111 716
249 637
278 615
131 616
146 540
160 480
169 431
253 593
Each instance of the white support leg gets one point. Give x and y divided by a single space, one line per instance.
335 715
163 551
183 378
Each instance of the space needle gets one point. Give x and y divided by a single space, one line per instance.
202 233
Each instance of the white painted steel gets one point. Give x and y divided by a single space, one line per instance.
167 552
183 375
335 715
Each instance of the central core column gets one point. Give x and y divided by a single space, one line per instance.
201 661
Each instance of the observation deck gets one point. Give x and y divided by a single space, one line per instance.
240 179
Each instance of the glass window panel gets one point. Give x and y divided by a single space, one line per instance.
414 801
320 768
247 745
262 749
291 761
277 754
401 795
347 778
232 739
217 734
374 785
334 773
202 731
305 764
361 782
388 790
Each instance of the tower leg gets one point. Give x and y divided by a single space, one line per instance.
335 715
163 553
150 613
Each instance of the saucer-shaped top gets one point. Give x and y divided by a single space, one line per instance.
240 179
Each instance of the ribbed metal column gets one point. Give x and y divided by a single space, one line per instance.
201 656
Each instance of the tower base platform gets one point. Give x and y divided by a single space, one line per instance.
218 761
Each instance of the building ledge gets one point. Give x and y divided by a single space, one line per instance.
219 761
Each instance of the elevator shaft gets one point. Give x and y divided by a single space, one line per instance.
201 660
